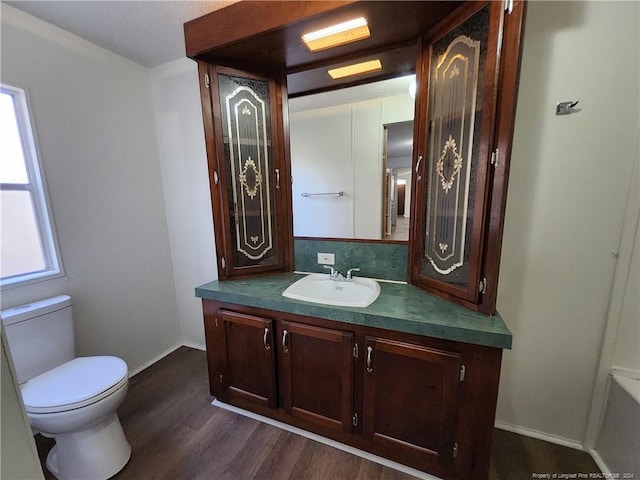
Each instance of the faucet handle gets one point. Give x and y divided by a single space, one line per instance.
349 275
333 273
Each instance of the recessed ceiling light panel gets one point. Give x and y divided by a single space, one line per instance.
356 69
340 34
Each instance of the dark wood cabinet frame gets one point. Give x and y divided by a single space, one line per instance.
469 295
211 111
489 211
267 42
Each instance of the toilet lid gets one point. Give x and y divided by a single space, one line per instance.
75 384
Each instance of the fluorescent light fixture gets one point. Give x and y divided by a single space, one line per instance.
340 34
356 69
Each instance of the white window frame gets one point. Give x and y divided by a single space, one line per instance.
37 187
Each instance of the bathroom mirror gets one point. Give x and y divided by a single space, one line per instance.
351 152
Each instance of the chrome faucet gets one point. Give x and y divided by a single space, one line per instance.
338 276
335 274
349 276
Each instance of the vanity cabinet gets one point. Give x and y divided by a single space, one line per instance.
246 369
424 402
399 375
316 367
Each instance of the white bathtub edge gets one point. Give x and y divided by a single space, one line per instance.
629 380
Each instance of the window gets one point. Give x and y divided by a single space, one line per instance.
28 248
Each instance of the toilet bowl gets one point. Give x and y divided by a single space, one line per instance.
75 403
72 400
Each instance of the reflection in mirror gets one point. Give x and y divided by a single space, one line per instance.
398 150
351 155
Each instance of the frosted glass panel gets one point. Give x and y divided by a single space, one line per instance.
455 113
247 144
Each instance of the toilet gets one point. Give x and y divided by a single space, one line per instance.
72 400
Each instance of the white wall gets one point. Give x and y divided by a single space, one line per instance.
94 124
183 162
567 191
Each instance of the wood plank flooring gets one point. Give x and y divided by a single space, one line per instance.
176 434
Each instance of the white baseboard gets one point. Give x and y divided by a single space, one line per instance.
331 443
155 359
601 465
547 437
197 346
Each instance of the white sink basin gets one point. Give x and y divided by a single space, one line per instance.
319 288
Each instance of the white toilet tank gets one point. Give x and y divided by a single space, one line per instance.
40 335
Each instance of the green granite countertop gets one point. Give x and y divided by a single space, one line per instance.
399 307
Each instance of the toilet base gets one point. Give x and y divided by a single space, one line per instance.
97 453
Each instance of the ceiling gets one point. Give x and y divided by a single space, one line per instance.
150 33
147 32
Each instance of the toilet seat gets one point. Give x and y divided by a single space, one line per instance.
74 384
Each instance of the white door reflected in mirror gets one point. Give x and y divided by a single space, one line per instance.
358 141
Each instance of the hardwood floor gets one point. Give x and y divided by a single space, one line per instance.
176 434
400 231
515 456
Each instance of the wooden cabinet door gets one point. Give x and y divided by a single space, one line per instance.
317 375
248 169
248 361
460 170
410 399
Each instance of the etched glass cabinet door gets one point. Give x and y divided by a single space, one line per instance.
460 71
247 172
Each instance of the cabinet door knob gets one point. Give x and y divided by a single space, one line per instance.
369 352
285 335
418 167
267 346
278 178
